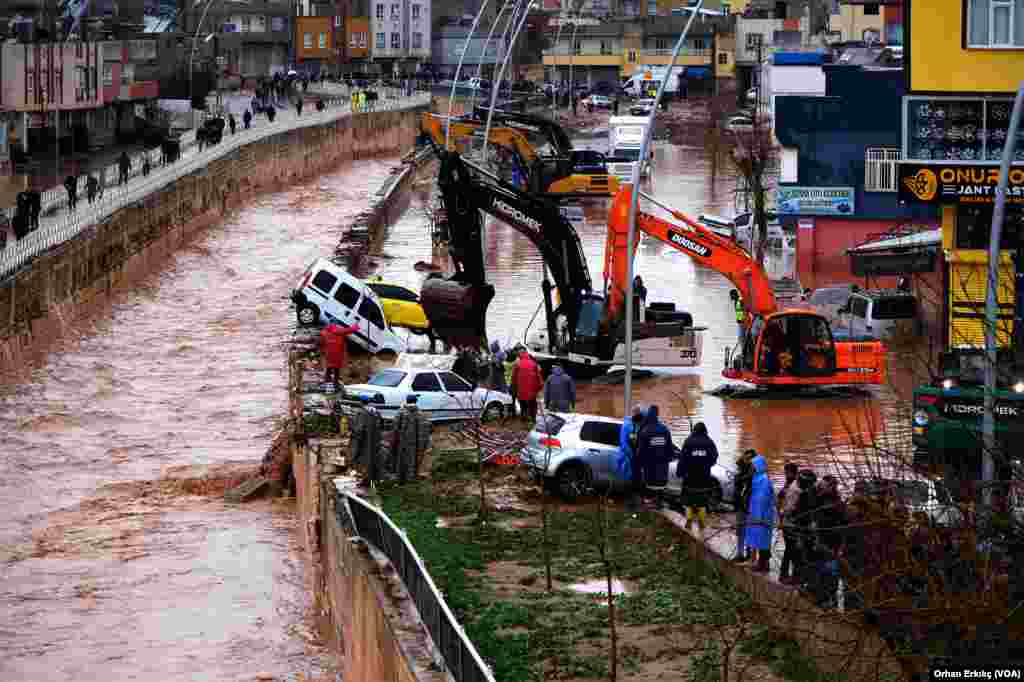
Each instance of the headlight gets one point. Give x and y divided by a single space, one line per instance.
921 418
1019 387
948 384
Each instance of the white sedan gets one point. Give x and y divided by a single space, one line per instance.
443 395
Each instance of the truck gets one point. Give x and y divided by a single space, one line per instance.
625 136
649 76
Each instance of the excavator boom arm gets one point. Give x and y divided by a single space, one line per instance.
561 144
691 238
509 138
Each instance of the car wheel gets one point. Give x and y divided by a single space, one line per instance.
493 412
573 481
308 315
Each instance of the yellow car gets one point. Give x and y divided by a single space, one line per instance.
401 305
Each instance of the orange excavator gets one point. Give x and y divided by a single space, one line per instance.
782 348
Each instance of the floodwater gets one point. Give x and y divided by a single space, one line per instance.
113 566
813 431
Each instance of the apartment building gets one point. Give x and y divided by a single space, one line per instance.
254 37
400 36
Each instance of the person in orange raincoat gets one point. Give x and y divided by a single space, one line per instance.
332 346
527 382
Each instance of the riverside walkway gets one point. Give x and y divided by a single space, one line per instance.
57 224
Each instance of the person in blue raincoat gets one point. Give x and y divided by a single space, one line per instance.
761 515
627 449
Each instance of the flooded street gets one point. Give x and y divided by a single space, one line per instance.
115 563
781 428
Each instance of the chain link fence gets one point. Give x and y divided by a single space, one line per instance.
373 526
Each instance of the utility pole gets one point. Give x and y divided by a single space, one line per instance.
992 305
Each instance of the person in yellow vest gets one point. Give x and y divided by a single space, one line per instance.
741 314
362 100
355 99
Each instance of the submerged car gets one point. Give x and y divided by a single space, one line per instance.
401 305
577 452
442 395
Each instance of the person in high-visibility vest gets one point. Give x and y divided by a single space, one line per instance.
741 314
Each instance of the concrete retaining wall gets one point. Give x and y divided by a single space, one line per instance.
68 284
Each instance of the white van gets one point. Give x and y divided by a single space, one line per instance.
625 135
646 77
327 294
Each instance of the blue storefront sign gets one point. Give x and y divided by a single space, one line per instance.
815 200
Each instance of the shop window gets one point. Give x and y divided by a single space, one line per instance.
995 23
974 226
957 129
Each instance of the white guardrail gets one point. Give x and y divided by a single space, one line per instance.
57 228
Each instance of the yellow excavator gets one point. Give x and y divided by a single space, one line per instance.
566 173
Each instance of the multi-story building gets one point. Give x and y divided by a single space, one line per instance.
870 22
612 50
963 62
481 55
253 37
400 40
314 44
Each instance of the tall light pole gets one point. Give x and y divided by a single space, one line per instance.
487 43
458 70
988 427
634 197
527 5
572 55
192 56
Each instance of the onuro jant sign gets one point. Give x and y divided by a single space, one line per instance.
974 184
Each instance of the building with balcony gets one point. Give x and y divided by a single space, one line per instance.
870 22
611 51
963 64
838 184
449 42
400 36
253 37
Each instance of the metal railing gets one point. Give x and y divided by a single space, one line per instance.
56 229
374 526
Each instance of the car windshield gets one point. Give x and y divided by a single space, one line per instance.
388 378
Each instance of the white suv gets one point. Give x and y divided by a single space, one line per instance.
327 294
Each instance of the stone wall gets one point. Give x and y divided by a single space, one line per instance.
45 301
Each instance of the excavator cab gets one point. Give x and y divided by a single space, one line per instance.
785 348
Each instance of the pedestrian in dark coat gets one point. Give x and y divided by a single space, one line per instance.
559 391
271 113
741 502
698 455
332 346
145 165
92 186
35 207
124 166
497 368
232 123
320 106
412 438
789 497
247 119
803 524
654 450
761 515
71 185
298 106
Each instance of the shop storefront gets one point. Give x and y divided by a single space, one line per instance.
966 193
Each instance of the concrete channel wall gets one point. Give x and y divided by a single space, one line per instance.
43 301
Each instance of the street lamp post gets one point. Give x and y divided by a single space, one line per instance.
192 55
634 199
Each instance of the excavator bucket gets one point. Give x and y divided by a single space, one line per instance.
457 311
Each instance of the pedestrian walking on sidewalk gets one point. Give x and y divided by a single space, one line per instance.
92 186
761 515
232 123
741 502
411 438
246 119
574 104
145 166
71 185
298 106
35 207
271 113
698 456
124 165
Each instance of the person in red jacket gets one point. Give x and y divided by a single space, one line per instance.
527 382
332 346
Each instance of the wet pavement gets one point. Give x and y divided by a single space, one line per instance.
114 565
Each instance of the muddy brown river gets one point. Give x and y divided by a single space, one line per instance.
112 567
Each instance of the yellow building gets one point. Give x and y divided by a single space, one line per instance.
725 56
963 64
859 22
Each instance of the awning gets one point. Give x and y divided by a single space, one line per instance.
894 256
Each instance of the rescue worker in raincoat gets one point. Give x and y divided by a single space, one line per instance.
761 515
698 455
335 353
627 451
654 450
559 391
527 382
412 438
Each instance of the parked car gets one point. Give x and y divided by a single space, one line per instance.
443 395
828 300
327 294
598 102
401 306
876 313
739 123
641 107
478 84
577 452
